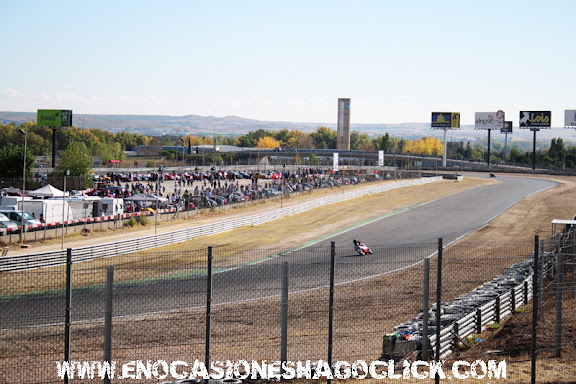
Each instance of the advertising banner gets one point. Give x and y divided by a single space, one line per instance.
335 162
446 120
54 118
535 119
489 120
507 127
380 158
570 118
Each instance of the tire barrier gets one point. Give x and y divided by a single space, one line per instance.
468 314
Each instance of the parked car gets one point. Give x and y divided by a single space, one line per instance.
16 217
220 200
6 223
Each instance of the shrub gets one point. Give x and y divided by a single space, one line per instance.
142 220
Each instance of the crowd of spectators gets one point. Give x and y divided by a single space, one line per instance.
216 187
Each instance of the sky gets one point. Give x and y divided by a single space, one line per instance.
397 61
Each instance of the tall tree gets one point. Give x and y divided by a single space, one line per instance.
267 142
12 160
78 160
324 138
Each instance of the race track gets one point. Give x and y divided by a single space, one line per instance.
449 218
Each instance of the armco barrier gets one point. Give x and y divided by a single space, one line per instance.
48 259
470 313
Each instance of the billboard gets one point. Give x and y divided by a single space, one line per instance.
507 127
54 118
535 119
489 120
446 120
570 118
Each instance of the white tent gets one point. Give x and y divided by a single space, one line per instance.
47 191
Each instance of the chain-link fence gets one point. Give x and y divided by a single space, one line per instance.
316 303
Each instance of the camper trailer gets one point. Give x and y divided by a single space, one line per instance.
49 210
112 206
86 206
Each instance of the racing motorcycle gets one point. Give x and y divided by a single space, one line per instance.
361 248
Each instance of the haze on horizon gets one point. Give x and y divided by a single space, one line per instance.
289 61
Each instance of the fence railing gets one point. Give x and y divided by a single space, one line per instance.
334 304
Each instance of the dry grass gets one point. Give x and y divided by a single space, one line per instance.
281 234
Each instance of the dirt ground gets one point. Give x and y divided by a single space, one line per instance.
533 215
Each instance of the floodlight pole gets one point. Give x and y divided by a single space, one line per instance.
63 205
488 154
53 147
25 133
505 146
445 148
534 148
157 198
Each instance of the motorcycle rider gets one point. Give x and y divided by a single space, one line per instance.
360 245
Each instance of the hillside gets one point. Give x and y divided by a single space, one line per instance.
158 125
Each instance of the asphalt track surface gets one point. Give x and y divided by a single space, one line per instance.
397 240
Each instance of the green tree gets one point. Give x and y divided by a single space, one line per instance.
12 159
78 160
516 157
283 136
313 159
324 138
557 149
384 143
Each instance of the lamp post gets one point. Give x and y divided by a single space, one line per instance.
23 187
203 147
66 173
82 120
408 162
157 198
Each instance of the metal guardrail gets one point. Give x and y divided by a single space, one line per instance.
476 320
55 258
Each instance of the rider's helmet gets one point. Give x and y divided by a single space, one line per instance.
354 241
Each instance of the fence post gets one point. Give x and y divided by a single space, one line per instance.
573 262
540 269
497 310
426 307
559 283
478 320
68 315
331 304
526 292
535 296
512 300
108 318
208 311
456 330
284 319
438 302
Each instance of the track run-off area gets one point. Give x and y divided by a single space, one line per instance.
450 217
